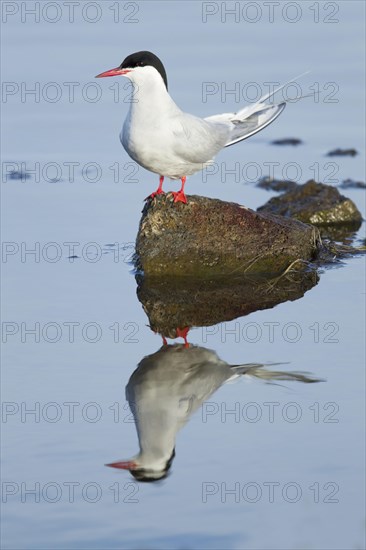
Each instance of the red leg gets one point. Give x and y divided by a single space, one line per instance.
183 333
159 190
179 196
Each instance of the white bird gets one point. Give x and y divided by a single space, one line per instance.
166 388
162 138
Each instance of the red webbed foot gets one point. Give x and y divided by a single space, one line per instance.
183 333
179 196
159 190
154 194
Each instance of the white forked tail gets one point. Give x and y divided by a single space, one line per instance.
247 125
257 370
252 118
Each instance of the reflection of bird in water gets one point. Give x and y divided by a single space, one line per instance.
165 389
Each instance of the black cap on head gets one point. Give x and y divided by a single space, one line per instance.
143 59
144 474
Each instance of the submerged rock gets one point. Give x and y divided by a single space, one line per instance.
210 237
315 203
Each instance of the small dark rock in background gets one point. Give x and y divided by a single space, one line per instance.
18 175
280 186
352 184
342 153
287 141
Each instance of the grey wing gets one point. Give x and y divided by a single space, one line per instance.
204 378
197 140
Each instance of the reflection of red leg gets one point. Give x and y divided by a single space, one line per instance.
183 333
179 196
159 190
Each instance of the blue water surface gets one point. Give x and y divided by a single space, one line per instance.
240 480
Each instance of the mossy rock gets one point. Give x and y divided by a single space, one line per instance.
208 237
315 203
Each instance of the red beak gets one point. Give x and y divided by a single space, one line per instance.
123 465
113 72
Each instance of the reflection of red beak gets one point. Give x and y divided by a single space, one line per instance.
113 72
124 465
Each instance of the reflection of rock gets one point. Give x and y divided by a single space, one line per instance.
210 237
335 252
315 203
172 303
166 388
344 233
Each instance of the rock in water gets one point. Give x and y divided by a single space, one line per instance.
315 203
210 237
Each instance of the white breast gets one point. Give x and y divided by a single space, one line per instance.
163 139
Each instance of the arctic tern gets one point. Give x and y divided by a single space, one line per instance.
162 138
